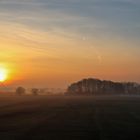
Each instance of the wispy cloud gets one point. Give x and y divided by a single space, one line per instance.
75 17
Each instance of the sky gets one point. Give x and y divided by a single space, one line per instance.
52 43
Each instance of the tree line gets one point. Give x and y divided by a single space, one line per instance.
96 87
22 91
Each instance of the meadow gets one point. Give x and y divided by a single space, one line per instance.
69 117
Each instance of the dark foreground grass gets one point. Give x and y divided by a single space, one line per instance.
69 118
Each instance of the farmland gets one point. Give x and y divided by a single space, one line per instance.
69 117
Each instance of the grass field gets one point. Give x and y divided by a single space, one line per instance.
69 118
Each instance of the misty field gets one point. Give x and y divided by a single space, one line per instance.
69 118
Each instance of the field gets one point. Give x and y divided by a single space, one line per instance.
69 118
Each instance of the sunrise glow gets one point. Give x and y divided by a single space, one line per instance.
3 74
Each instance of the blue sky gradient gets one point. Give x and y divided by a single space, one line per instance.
120 17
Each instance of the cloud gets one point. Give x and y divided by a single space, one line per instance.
75 17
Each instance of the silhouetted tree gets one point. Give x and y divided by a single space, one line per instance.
35 91
95 86
20 91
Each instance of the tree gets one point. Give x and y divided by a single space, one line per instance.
20 91
35 91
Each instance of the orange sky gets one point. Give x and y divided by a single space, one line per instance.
73 61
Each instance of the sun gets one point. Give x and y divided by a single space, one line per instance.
3 74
